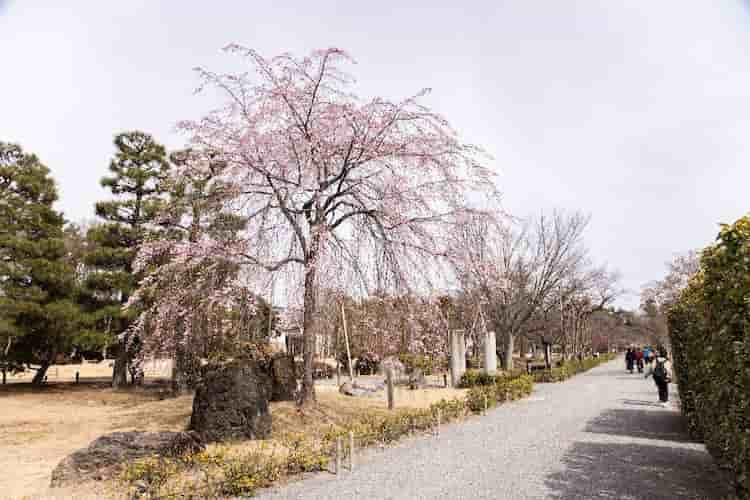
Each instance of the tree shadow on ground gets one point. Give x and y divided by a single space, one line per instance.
632 471
658 424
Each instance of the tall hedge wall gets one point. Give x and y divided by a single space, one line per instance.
709 328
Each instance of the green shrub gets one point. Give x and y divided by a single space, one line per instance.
472 378
244 475
427 364
303 455
504 389
479 396
709 329
520 386
565 370
152 473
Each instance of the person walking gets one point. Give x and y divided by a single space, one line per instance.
639 359
647 353
648 359
661 371
629 359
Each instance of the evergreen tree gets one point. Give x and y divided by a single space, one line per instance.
135 179
38 314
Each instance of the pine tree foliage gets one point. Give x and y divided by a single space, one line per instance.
135 180
39 315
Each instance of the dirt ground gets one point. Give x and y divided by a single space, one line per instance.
39 427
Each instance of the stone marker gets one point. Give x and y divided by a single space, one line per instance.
458 356
490 356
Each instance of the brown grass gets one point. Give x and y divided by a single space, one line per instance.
39 427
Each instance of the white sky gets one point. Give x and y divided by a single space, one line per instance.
636 112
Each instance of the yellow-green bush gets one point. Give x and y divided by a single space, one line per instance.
221 473
570 368
471 378
504 389
709 329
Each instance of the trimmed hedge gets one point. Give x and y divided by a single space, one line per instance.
709 328
570 368
472 378
504 389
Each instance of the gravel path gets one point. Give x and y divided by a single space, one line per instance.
599 435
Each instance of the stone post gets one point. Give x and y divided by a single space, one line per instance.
490 356
458 356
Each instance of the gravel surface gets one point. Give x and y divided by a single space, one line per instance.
601 434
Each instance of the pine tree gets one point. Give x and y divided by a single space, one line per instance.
38 314
135 181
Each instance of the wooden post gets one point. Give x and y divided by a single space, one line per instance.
485 404
389 382
77 375
339 452
346 338
351 451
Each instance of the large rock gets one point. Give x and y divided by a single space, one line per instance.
104 457
359 390
284 387
347 389
231 402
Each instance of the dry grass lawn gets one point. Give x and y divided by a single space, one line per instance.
38 428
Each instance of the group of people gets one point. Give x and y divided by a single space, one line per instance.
657 366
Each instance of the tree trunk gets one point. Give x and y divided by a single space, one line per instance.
42 371
120 370
5 359
307 396
179 383
509 344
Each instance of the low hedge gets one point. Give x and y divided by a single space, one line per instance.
472 378
570 368
504 389
709 328
220 472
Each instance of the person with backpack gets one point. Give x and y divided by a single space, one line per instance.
661 370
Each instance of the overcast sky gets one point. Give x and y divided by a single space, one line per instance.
636 113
